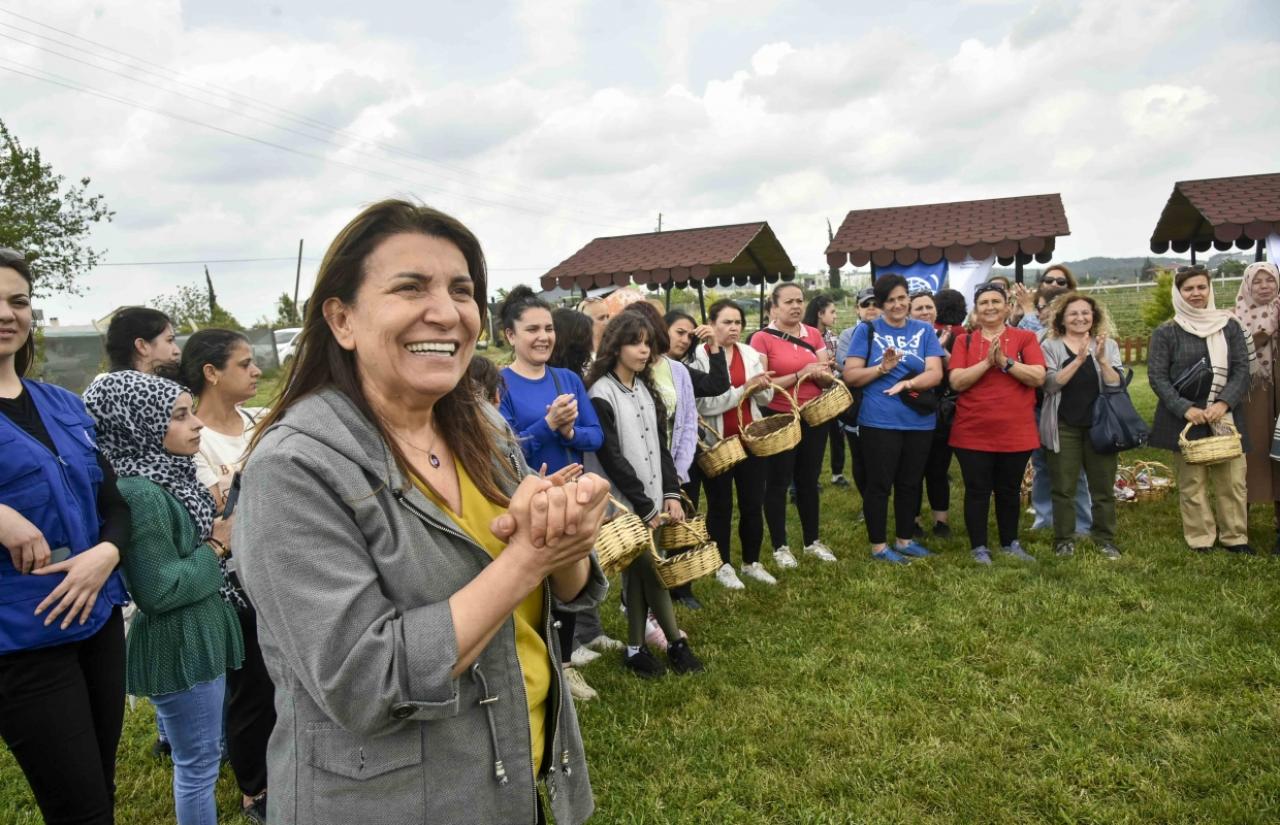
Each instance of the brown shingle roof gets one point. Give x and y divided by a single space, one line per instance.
741 253
1024 225
1219 212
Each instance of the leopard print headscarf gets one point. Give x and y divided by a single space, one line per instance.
133 411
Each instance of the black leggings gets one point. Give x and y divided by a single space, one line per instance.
61 711
986 473
857 461
837 448
748 477
251 713
801 465
937 472
898 458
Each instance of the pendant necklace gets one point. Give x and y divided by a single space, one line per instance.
432 458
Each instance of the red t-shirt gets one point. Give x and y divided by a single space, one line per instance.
788 358
737 377
997 414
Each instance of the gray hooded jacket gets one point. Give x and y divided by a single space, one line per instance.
350 568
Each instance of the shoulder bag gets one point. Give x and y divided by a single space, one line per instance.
1116 424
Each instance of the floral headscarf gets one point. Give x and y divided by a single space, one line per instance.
1258 317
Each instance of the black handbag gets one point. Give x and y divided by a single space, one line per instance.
1116 424
925 402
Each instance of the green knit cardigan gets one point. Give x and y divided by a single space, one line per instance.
184 633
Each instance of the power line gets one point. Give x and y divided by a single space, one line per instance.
291 258
73 85
231 94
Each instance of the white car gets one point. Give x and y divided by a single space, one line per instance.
284 343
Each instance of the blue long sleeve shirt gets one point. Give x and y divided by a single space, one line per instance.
524 406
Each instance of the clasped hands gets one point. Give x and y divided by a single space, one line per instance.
554 519
1212 415
562 413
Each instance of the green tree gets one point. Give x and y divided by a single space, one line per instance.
189 308
1159 307
48 221
287 314
1231 268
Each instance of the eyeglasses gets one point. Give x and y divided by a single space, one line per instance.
867 303
1055 281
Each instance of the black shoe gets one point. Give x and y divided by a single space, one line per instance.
161 749
941 530
917 531
1241 548
689 601
1205 550
256 811
682 658
643 664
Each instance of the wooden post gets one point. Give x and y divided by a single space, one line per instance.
1257 256
1017 268
297 282
668 297
1193 253
762 303
702 302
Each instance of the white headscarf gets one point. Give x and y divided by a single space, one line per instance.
1208 324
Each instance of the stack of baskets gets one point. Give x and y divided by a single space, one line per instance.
690 553
1144 481
722 455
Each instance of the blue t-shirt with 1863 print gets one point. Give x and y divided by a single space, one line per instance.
915 341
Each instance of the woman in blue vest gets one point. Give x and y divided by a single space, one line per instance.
62 526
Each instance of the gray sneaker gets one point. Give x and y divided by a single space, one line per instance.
1110 551
1015 550
982 555
1065 549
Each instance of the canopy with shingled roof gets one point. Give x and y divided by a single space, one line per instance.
1219 213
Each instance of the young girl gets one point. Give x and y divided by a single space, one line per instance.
635 459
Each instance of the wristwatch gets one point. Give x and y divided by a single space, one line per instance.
1008 365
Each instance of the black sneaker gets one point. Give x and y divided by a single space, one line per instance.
256 811
161 749
1241 548
643 664
941 530
682 658
917 530
689 601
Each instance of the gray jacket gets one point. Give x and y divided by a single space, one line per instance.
1174 356
350 568
1056 356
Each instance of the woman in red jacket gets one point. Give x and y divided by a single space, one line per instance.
995 369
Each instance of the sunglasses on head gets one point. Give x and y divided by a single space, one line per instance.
921 293
11 255
1196 269
1056 281
989 287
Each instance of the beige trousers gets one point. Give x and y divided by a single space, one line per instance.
1229 493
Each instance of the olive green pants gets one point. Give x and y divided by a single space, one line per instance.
1075 451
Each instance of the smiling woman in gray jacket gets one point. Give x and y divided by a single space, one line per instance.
401 560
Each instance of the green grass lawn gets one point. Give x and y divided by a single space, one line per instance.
1078 691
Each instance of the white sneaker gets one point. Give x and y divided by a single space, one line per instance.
578 686
728 578
583 656
603 643
783 558
821 551
756 571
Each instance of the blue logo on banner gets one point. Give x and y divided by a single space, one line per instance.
919 275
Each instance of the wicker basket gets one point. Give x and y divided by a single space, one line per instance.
621 539
832 401
721 456
1211 449
771 434
1028 480
681 535
688 565
1152 480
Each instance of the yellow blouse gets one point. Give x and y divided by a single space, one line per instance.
531 648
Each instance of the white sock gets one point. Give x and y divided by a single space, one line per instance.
631 651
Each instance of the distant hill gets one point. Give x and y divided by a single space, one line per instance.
1101 270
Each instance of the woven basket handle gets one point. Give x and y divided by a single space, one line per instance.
1230 429
777 388
702 422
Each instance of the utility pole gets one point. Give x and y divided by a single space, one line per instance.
659 221
297 281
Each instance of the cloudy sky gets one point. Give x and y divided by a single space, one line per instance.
230 129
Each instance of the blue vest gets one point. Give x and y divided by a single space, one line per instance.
59 495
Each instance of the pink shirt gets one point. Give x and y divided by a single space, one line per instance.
788 358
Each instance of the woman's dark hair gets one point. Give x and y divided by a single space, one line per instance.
26 356
1058 310
573 340
817 305
677 315
485 377
623 329
713 311
208 346
516 302
462 418
951 306
773 295
912 303
886 284
1186 273
1066 273
127 326
661 340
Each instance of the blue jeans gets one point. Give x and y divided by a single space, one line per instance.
1042 501
193 720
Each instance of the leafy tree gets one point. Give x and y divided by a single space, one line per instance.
44 219
287 314
189 308
1159 307
1231 268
